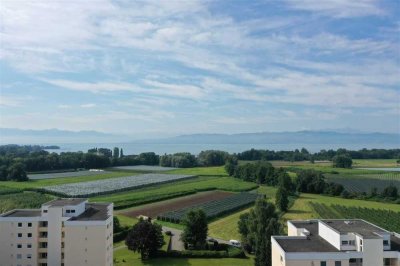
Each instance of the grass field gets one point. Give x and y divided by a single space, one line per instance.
167 191
60 181
23 200
125 257
201 171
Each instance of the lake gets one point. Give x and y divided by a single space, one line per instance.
136 148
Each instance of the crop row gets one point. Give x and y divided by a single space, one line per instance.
106 186
364 184
386 219
213 208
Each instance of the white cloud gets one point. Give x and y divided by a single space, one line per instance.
88 105
339 8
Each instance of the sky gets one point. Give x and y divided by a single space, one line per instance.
164 68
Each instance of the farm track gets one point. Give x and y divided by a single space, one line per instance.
153 210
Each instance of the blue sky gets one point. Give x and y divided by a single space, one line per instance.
151 68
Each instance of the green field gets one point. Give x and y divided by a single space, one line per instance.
200 171
301 208
166 191
389 220
59 181
24 200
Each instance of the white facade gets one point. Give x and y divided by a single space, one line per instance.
335 243
66 232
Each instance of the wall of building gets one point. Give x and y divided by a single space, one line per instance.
9 242
373 252
329 234
88 243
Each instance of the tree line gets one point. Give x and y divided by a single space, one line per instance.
305 155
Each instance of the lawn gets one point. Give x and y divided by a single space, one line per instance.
172 190
125 257
60 181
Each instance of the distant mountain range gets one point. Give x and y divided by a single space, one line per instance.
303 137
56 136
24 136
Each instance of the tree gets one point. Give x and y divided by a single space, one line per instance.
17 172
230 165
243 230
281 199
285 181
196 228
121 153
116 225
390 192
145 238
116 152
262 223
342 161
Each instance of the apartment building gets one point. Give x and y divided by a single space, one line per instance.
335 243
66 232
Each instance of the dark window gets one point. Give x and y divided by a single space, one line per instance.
323 263
19 245
19 234
338 263
344 242
45 211
72 211
29 245
386 242
29 234
68 211
29 224
19 224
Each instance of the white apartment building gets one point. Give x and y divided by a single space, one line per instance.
63 232
335 243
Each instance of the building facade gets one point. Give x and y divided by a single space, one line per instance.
66 232
335 243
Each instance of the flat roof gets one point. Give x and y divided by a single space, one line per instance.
65 202
93 212
363 228
22 213
312 243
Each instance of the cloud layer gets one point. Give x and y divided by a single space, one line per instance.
198 66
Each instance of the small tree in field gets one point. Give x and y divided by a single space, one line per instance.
342 161
196 228
146 238
281 199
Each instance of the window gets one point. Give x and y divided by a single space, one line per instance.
19 256
45 211
345 242
19 234
352 242
68 211
29 256
29 234
323 263
29 245
19 224
338 263
19 245
360 241
386 242
72 211
29 224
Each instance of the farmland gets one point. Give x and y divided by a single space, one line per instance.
145 168
100 187
153 210
364 183
181 188
387 219
65 174
26 200
213 208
